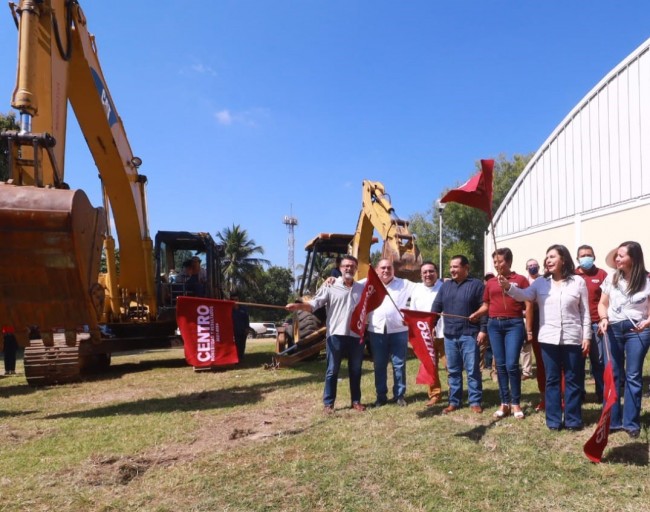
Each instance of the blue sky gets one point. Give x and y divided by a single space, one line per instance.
244 111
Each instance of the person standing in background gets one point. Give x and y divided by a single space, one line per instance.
594 278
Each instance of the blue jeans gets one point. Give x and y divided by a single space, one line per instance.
506 339
568 358
337 347
383 346
463 352
596 359
628 350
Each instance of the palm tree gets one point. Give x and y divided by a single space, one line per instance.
322 269
240 268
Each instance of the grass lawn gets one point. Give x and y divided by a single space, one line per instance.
153 435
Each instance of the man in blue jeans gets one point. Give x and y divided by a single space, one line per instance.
389 335
458 298
340 298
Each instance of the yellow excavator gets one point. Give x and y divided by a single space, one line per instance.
306 336
52 238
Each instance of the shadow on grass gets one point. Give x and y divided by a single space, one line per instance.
477 433
252 360
204 400
632 453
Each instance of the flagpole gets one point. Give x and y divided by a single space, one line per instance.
253 304
494 240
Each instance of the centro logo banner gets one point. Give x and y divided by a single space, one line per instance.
109 109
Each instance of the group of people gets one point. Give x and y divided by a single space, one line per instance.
566 314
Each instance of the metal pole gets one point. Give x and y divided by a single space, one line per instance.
441 206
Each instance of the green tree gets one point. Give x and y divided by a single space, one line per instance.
7 122
321 269
102 264
240 268
274 288
464 228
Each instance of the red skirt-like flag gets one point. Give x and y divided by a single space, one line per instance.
596 444
420 329
372 296
207 331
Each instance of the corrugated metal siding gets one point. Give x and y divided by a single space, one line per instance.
595 158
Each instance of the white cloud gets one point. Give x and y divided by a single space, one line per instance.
251 117
203 69
224 117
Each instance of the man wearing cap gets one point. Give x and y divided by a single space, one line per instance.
594 278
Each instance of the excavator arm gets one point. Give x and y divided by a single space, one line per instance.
377 213
51 236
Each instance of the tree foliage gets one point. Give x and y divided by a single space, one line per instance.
274 288
320 271
464 228
7 122
241 268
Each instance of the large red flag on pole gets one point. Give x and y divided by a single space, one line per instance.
372 296
420 329
596 444
477 191
207 331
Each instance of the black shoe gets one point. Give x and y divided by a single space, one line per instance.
401 402
575 429
555 429
633 433
379 403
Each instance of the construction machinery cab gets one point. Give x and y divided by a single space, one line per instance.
171 249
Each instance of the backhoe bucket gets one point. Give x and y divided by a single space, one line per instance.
50 250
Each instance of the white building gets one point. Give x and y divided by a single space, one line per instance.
589 183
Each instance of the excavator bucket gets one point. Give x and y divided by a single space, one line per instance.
50 250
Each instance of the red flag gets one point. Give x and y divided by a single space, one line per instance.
371 298
477 191
420 325
596 444
207 331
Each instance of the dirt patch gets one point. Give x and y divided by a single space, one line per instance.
215 435
110 471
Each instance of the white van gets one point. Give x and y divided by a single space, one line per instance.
263 330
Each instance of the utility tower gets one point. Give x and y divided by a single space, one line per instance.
290 221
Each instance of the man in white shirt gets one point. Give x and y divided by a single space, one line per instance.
422 299
389 335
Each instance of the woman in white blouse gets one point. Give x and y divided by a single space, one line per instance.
624 311
564 334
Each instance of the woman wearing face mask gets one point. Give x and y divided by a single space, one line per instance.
624 310
594 278
564 334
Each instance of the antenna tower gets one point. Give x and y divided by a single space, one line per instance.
291 222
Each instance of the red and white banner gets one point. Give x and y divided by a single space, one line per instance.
207 331
372 296
596 444
420 326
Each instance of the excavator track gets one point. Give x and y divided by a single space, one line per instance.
58 364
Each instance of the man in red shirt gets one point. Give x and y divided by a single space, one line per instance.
593 277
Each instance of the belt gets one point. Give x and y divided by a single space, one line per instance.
505 318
